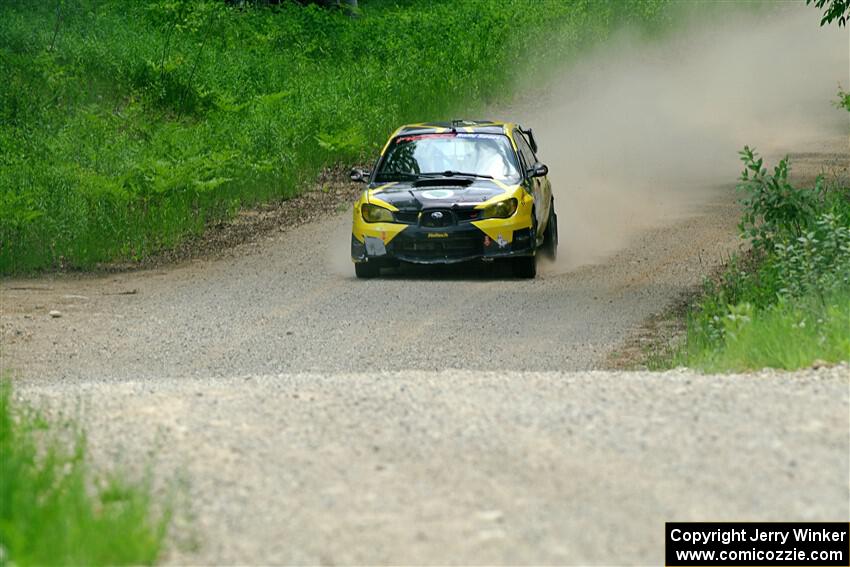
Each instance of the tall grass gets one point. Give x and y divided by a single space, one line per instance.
55 511
125 126
790 334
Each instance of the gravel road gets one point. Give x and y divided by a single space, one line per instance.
459 416
462 436
292 304
468 467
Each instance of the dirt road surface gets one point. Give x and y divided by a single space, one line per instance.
444 415
288 306
429 417
471 467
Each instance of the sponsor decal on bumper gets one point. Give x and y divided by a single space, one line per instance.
448 245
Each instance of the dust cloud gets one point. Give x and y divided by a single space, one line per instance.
641 133
338 252
638 133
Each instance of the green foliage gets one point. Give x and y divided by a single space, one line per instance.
773 209
53 511
126 126
817 262
788 303
789 334
835 10
843 99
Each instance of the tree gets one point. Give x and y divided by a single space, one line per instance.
835 10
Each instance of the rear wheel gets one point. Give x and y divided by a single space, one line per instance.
525 267
550 235
367 270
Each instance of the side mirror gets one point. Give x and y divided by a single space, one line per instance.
538 170
359 175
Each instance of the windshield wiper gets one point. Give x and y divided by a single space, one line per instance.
450 173
390 175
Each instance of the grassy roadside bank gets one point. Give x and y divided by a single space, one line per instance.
55 511
126 126
786 302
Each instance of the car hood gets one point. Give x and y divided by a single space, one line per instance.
439 193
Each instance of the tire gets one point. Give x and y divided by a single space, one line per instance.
525 267
550 236
367 270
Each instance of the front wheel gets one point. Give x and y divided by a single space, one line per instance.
367 270
525 267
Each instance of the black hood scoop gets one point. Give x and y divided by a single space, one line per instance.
444 182
439 192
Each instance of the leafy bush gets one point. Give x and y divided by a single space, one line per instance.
788 301
53 511
774 209
125 126
816 262
843 99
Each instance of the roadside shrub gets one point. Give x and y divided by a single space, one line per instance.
800 235
815 262
787 301
843 99
774 209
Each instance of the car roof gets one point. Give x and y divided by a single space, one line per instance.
469 126
477 126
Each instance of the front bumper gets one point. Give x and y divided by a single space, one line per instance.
446 245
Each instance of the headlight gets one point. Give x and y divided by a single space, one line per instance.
500 210
374 213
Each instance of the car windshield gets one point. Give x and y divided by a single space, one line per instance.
484 155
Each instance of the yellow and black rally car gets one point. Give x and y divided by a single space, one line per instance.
452 192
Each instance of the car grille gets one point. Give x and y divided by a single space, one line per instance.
444 217
467 215
452 247
407 217
436 218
